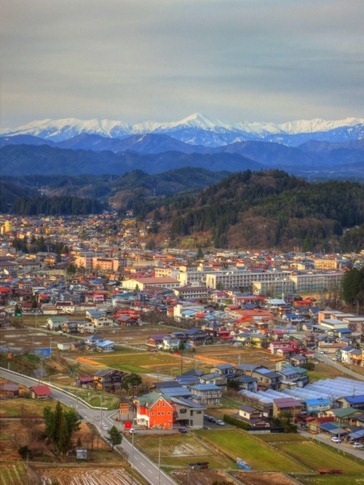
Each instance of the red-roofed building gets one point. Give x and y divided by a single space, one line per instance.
40 392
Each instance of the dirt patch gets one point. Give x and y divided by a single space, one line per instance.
252 478
202 477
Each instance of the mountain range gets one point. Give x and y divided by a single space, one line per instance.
199 130
311 149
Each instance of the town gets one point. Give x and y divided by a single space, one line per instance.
184 344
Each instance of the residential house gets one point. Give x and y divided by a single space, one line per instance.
102 321
155 340
86 327
286 406
289 373
254 417
188 413
214 378
353 401
345 354
108 380
9 391
267 378
155 411
105 346
226 370
92 341
169 343
248 383
206 394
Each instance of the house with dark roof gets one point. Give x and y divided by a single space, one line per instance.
206 394
286 405
188 413
356 402
267 378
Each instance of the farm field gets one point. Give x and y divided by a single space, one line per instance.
267 478
313 454
256 453
15 473
235 355
178 451
145 362
85 476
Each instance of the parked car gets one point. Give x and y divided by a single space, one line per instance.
356 444
131 430
212 419
183 429
220 422
336 439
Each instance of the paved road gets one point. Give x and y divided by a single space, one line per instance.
149 470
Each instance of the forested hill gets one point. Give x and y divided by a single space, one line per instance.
55 206
266 209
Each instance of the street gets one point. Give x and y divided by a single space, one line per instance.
149 470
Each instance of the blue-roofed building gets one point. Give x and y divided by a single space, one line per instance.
206 394
105 346
267 378
356 402
317 405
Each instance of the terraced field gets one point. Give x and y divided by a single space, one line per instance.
13 474
88 476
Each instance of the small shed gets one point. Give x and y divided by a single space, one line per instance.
40 392
9 390
81 454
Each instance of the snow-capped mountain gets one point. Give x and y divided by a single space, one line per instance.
199 130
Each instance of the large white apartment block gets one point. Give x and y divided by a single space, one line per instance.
317 282
241 279
274 288
194 275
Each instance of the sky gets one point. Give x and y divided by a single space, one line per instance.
162 60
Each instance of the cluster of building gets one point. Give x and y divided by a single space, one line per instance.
261 299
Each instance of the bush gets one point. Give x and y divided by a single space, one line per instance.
236 422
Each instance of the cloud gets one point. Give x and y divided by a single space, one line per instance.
229 59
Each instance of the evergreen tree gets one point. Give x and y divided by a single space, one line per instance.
115 436
353 285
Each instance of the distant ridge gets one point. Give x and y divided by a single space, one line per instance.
197 129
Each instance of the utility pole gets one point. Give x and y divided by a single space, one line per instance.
132 449
101 408
159 461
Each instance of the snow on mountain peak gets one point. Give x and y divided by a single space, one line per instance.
211 132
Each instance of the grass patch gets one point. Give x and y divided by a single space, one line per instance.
281 437
331 480
314 456
255 452
15 408
145 362
108 401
